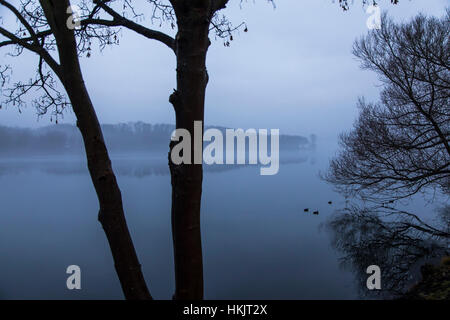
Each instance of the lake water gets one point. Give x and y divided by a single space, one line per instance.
258 243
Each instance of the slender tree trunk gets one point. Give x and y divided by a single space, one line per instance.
111 214
188 100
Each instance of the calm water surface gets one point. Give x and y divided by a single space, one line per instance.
257 241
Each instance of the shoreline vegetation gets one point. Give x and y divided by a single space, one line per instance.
435 283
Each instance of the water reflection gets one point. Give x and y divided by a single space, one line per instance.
399 242
133 166
258 242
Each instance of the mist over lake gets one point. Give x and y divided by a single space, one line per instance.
258 242
224 150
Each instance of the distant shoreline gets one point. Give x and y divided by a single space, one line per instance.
125 138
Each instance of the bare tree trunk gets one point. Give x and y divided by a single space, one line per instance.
111 214
188 100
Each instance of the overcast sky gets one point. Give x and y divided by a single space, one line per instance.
293 70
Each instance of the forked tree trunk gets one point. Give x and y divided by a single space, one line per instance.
188 100
111 214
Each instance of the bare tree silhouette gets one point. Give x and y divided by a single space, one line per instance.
397 148
43 29
400 146
194 21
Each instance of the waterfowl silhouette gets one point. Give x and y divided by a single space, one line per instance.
305 210
316 212
330 202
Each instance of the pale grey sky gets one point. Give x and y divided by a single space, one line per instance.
293 70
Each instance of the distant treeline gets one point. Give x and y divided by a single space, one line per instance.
120 138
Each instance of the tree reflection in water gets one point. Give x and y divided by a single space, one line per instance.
399 242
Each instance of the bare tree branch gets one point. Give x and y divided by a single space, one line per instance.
400 146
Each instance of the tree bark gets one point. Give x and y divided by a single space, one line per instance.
188 100
111 214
